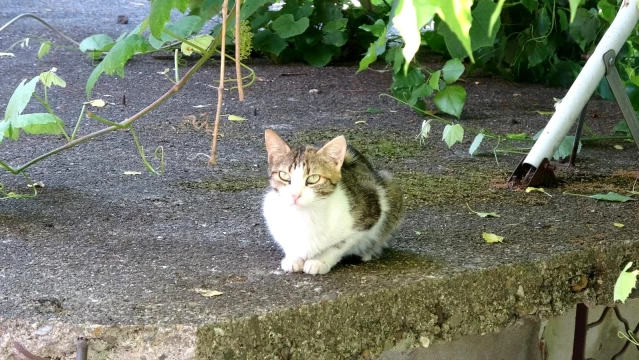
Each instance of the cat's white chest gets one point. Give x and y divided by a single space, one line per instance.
306 231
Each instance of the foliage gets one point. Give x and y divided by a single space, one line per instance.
314 31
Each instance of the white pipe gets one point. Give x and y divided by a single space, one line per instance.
582 89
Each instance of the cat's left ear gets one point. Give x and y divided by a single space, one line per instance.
335 149
275 146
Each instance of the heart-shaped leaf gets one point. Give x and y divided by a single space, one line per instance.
451 100
285 26
626 281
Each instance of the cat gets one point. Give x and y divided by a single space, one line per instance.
325 204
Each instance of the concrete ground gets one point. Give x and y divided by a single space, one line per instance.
124 259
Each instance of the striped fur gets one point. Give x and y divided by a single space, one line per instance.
327 203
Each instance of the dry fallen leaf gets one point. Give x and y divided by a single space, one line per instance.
361 122
208 293
132 172
534 189
619 225
97 103
492 238
236 118
618 147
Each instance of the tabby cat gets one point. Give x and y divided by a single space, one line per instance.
327 203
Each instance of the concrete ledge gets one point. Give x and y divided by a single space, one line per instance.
432 309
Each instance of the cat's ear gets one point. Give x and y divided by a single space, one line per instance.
275 146
335 149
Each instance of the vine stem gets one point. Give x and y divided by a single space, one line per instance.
238 69
220 88
172 91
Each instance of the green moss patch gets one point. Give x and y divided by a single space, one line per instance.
373 144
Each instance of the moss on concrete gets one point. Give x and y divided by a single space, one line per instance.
587 183
356 326
373 144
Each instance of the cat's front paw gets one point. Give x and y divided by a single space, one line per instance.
314 267
292 264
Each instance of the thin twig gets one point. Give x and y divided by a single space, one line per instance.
238 40
42 21
27 353
220 88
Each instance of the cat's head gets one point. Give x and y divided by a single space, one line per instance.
304 175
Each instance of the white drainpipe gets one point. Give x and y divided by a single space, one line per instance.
584 86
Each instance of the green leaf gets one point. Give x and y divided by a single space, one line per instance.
543 23
483 33
412 79
336 38
585 27
38 123
203 41
611 196
340 24
622 127
626 281
377 29
452 70
453 134
420 92
4 127
537 51
95 42
285 26
161 13
574 4
410 16
182 28
267 41
433 81
531 5
20 98
457 16
44 49
320 55
369 58
453 45
476 143
519 136
495 16
117 57
249 7
492 238
565 148
608 10
49 78
563 20
451 100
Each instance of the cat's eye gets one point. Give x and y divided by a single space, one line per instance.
284 176
313 179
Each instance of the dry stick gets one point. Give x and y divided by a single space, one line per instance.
238 69
220 88
176 88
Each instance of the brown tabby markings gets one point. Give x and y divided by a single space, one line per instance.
313 163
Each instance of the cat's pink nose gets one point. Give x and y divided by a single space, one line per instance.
295 198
